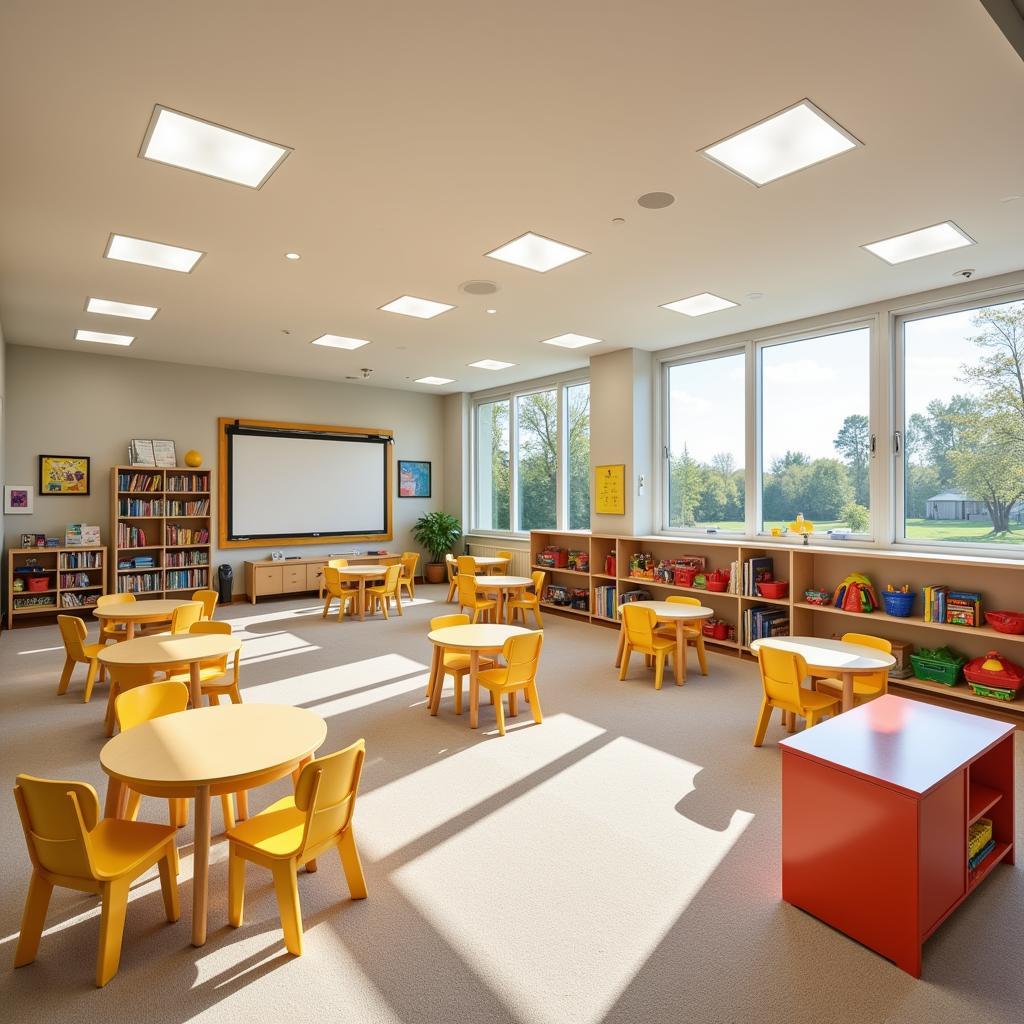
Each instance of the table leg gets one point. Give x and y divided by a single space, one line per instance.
201 866
194 688
242 796
116 792
474 688
847 691
500 610
436 679
791 722
680 654
129 630
362 598
622 644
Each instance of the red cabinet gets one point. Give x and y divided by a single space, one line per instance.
875 810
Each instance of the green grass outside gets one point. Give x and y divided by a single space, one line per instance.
927 530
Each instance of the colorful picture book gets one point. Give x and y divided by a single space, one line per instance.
763 621
954 607
757 570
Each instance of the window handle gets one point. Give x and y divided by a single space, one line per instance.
897 442
874 445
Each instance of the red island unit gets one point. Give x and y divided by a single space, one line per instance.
876 806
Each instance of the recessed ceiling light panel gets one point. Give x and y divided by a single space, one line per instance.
104 339
491 364
436 381
789 141
108 307
698 305
338 341
409 305
152 254
196 145
535 252
924 242
572 341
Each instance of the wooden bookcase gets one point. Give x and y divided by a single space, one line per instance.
1000 582
72 587
166 515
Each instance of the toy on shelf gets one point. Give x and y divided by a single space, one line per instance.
553 558
856 594
901 651
939 665
818 597
773 588
994 676
641 565
718 582
579 560
802 527
715 629
610 564
555 593
679 571
898 602
1006 622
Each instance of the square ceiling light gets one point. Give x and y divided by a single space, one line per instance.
337 341
923 242
108 307
409 305
491 364
152 254
436 381
104 339
535 252
572 341
196 145
698 305
789 141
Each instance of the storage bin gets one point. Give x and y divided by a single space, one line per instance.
897 603
773 588
940 665
37 583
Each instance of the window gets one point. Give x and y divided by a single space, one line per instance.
707 438
816 440
545 484
492 466
963 426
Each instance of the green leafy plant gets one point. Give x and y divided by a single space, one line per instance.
437 532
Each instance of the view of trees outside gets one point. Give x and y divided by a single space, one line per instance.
964 443
537 460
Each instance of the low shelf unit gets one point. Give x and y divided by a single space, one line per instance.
75 577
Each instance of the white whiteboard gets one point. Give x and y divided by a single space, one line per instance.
285 485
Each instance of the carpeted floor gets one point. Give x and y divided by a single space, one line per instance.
618 863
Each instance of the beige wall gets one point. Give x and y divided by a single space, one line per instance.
81 403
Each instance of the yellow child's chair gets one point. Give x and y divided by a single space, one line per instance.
526 602
208 599
452 568
638 624
122 679
109 629
692 635
522 655
502 570
782 673
334 588
865 687
78 652
382 596
70 846
214 680
455 663
469 598
332 563
185 616
410 559
466 565
296 830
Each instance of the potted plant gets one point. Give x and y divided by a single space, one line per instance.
437 532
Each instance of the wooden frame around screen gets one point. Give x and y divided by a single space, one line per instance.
265 542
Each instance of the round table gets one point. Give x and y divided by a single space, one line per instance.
826 657
362 573
482 638
668 611
487 562
164 650
132 612
502 585
208 752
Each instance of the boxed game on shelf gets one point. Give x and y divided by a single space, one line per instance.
579 560
641 565
553 557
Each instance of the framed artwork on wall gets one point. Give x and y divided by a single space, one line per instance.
413 479
64 475
18 500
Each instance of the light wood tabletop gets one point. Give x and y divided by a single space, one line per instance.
490 562
826 657
669 611
476 639
362 573
501 586
208 752
131 612
164 650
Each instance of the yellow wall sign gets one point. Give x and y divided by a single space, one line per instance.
610 490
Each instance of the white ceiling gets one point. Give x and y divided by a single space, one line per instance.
426 134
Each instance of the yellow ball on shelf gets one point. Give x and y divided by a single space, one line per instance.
193 458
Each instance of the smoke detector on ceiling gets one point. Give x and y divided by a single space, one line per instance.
478 287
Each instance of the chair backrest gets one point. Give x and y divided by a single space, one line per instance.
880 679
521 654
467 589
506 555
391 578
332 579
106 599
185 616
128 677
680 599
782 672
639 625
452 566
466 564
153 700
73 633
57 818
444 621
208 599
337 563
409 561
538 581
326 792
222 628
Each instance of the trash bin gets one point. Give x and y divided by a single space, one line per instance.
225 577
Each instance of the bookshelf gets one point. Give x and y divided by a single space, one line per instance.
160 530
1000 581
75 577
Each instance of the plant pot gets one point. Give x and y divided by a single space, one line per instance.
434 572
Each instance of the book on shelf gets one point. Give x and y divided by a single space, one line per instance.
139 483
764 621
184 483
757 570
963 608
182 535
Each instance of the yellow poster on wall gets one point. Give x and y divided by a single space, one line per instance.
610 490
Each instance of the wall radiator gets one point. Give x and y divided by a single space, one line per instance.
520 556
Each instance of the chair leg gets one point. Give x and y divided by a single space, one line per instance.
476 615
457 683
286 886
90 680
169 882
627 650
33 919
109 719
536 611
327 606
702 654
384 602
513 704
131 807
811 718
65 676
178 811
236 888
398 602
351 865
227 808
659 669
499 713
538 717
762 722
115 906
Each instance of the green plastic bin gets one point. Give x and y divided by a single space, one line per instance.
940 665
